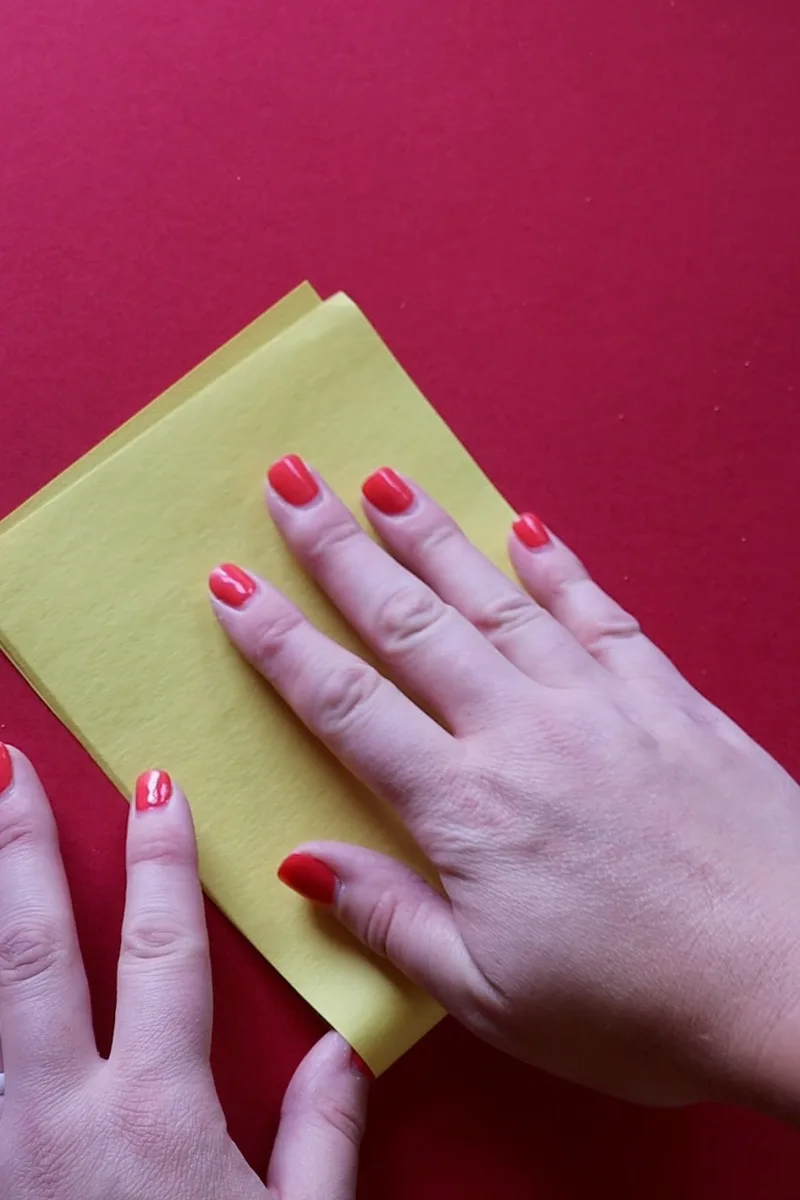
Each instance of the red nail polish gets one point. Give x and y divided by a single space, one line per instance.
360 1067
310 878
292 480
231 585
530 531
389 493
6 768
153 790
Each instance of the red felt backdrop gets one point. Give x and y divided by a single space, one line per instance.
577 226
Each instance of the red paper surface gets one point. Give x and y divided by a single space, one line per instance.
576 225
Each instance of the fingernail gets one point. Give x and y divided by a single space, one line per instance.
530 531
153 790
292 480
6 768
389 493
310 878
360 1067
231 585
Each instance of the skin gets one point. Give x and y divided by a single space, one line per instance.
146 1121
618 866
618 860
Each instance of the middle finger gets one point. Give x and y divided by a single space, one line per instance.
44 998
428 541
164 1005
431 646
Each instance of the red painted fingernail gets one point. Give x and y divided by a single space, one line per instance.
360 1067
389 493
530 531
6 768
231 585
153 790
310 878
292 480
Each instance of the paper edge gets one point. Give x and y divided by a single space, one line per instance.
281 317
265 328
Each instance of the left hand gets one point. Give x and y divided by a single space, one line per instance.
146 1122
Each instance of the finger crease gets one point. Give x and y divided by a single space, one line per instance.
507 615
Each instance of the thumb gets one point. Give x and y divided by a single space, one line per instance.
392 910
322 1123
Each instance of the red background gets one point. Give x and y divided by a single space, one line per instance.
577 226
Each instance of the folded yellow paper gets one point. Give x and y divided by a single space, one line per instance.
103 606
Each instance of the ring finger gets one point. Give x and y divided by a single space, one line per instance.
429 542
434 650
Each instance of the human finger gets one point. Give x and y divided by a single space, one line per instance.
558 580
428 541
376 731
322 1124
393 911
45 1013
426 643
164 1003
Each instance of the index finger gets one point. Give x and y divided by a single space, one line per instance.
431 647
376 732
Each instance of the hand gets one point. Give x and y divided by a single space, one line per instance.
620 863
146 1122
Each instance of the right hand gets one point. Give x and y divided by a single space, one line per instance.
146 1123
620 862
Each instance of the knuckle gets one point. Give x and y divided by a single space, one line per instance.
442 534
27 952
507 614
270 635
162 848
158 935
609 627
596 619
332 1114
381 931
339 533
17 828
616 622
406 617
339 697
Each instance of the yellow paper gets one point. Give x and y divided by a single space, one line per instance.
103 606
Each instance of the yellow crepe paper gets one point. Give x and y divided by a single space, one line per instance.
103 606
